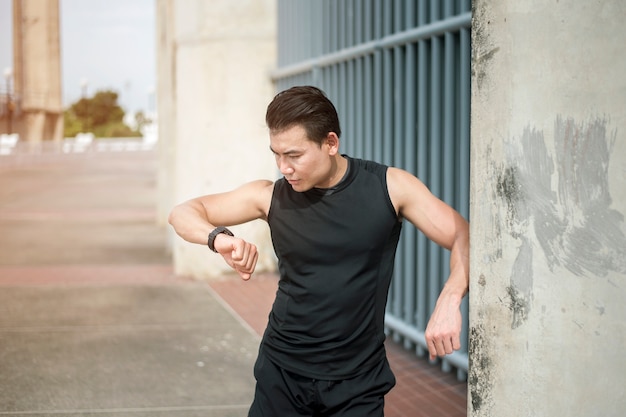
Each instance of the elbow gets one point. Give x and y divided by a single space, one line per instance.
173 216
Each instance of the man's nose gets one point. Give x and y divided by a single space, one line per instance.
284 167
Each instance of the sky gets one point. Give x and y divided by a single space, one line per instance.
109 44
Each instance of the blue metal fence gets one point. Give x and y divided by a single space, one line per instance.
398 72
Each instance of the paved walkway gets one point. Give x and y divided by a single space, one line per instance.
93 322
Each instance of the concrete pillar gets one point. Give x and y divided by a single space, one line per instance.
548 207
37 70
214 86
166 100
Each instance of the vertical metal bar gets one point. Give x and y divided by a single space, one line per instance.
341 21
422 12
368 111
359 109
465 6
435 162
398 111
464 122
388 18
333 90
435 10
313 39
313 34
358 22
409 15
397 149
398 21
334 21
378 19
350 107
325 25
448 165
378 84
349 23
387 137
423 55
344 114
324 83
292 50
409 139
368 21
378 106
448 8
409 246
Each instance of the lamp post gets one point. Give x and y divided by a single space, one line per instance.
151 102
84 83
8 74
83 87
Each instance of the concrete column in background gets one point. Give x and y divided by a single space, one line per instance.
214 60
548 207
37 70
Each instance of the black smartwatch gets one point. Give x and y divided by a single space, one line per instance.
213 235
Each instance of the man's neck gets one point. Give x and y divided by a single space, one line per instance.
339 167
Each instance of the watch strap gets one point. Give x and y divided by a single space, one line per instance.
218 230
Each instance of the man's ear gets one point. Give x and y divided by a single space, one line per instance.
332 141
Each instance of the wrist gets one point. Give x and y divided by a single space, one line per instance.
454 291
214 233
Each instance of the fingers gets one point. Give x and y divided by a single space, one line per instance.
441 345
244 257
246 271
443 332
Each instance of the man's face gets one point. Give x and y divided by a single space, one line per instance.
303 162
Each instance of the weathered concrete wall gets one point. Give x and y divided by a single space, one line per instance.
213 90
547 300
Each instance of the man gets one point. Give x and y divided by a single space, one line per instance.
335 222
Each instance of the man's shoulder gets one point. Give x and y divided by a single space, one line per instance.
257 186
368 165
258 193
248 190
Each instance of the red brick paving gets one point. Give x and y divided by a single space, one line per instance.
86 274
422 389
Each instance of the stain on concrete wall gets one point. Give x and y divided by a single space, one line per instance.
481 367
563 200
484 47
480 380
591 241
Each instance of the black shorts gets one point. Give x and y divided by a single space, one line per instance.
280 393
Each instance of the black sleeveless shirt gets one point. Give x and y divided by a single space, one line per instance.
335 250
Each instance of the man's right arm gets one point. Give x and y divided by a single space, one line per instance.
194 219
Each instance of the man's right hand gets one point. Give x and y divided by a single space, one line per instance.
239 254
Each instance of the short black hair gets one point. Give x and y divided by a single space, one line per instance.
306 106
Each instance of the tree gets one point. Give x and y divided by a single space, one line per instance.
100 115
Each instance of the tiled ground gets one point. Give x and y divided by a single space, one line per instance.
422 389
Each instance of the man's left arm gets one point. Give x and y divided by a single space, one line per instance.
446 227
